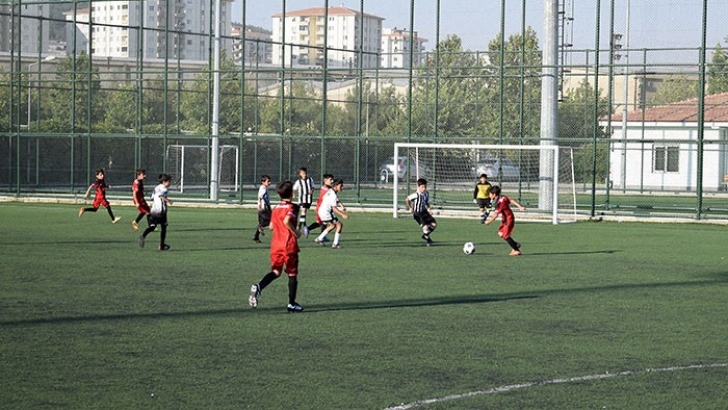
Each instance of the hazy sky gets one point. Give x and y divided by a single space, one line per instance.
653 23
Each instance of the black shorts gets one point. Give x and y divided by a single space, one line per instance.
264 217
305 205
424 218
483 202
155 220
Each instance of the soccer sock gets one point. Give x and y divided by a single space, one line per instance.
322 236
512 243
313 226
90 209
301 221
149 230
257 233
163 235
111 213
267 279
292 289
139 217
337 236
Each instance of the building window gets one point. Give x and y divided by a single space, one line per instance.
666 159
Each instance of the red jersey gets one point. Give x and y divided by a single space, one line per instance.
508 220
137 189
284 240
100 199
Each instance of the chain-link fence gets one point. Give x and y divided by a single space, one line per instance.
127 85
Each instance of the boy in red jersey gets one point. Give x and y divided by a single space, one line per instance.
100 199
137 189
502 206
283 248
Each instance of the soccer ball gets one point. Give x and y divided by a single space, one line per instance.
469 248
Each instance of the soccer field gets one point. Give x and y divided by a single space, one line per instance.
593 315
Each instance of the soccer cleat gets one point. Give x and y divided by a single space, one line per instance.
294 307
319 241
254 295
336 246
256 240
134 225
164 247
115 220
141 241
81 211
515 253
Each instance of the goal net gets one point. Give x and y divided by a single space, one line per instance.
539 177
190 164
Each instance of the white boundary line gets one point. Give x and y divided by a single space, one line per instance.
510 387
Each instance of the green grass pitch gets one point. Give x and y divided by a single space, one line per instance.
90 321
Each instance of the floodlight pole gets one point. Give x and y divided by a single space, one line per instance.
215 140
549 99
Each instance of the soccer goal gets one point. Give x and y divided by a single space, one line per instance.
189 164
540 177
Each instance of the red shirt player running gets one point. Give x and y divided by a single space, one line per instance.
502 206
100 199
137 189
283 248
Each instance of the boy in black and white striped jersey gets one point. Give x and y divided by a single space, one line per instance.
303 191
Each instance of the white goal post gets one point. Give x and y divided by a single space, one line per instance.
540 177
189 164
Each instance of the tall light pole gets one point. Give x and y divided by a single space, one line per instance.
214 148
625 107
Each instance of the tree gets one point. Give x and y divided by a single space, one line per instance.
718 71
577 124
76 96
679 87
516 88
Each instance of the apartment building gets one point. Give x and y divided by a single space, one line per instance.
299 37
171 29
25 28
396 45
258 45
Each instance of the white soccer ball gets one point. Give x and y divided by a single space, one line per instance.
469 248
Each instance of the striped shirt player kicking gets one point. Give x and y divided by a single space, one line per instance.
418 204
303 191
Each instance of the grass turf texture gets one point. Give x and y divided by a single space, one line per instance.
88 320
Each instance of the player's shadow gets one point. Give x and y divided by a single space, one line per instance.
603 252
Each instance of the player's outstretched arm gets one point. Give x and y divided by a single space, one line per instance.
341 213
519 206
88 191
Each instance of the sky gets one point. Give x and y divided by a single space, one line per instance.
652 23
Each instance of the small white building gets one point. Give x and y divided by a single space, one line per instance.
656 149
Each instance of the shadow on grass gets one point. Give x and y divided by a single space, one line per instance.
715 278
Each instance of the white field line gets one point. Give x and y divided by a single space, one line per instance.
501 389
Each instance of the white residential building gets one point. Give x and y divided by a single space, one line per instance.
303 33
396 48
182 31
32 33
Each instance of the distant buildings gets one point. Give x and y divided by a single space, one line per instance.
258 46
173 29
304 34
396 44
31 35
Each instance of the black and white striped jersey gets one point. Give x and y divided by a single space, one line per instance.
304 190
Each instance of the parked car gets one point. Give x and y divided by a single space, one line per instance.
387 170
498 169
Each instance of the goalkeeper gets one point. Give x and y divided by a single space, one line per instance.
481 197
